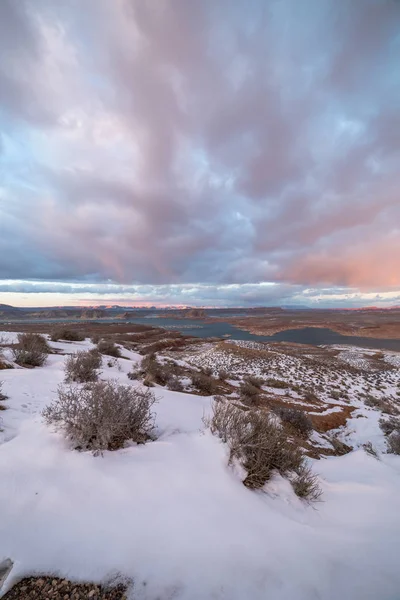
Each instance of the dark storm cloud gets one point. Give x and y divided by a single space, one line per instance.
201 142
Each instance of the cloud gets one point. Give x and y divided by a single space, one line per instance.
205 143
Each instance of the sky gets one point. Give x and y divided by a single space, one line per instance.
200 152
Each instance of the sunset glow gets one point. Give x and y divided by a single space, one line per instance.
200 153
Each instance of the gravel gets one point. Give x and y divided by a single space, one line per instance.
53 588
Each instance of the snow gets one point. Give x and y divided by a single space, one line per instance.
173 517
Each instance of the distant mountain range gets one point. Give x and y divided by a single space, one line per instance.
11 313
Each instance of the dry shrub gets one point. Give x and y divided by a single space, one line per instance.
305 484
389 425
340 447
108 348
153 371
223 375
69 335
310 396
297 419
255 381
103 415
276 383
174 384
207 371
369 449
393 442
382 404
226 420
32 350
5 365
261 446
204 383
82 367
165 344
2 394
134 374
248 392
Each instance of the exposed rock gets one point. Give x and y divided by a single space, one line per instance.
43 588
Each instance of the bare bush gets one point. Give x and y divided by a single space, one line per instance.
103 415
260 444
69 335
207 371
255 381
248 392
223 375
134 374
31 350
311 396
297 419
2 394
154 372
204 383
174 384
264 448
389 425
340 447
148 381
305 484
369 449
226 420
393 442
276 383
382 404
108 348
82 367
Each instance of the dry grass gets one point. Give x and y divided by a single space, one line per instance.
333 420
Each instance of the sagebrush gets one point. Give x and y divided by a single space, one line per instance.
153 371
393 442
174 384
389 425
296 418
205 384
82 367
261 446
255 381
249 392
103 415
108 348
69 335
31 350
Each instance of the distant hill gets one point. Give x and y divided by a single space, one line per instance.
5 307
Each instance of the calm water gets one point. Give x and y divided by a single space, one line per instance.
308 335
196 327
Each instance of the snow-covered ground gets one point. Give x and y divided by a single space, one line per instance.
175 519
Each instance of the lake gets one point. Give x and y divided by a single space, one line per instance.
315 336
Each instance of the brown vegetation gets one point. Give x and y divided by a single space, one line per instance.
103 415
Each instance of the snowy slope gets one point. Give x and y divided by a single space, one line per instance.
172 516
